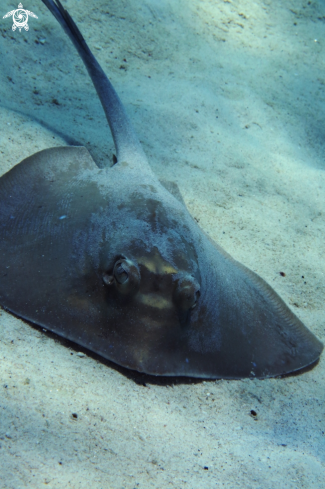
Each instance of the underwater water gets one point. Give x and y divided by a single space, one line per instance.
227 98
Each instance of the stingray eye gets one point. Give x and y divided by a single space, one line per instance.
121 272
125 276
187 294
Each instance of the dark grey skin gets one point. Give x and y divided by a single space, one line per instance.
111 259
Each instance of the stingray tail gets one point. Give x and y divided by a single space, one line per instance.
125 139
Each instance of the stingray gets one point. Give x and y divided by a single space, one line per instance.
111 259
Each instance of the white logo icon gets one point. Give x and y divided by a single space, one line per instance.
20 18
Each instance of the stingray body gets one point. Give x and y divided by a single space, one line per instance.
111 259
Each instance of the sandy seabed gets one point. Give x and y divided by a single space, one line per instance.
227 98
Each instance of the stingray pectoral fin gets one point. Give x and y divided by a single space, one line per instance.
249 331
47 202
59 162
280 342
